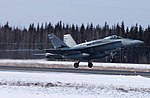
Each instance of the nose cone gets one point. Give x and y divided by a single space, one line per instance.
137 42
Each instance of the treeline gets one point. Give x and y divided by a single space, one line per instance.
35 36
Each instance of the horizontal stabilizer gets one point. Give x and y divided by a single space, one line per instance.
62 52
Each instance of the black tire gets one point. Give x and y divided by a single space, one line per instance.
76 65
90 64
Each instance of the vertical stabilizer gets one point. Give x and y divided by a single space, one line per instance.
57 42
68 40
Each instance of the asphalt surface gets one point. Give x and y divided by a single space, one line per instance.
74 70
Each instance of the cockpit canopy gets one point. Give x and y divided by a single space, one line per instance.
113 37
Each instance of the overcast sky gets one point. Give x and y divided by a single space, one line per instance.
24 12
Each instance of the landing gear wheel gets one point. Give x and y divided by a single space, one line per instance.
76 65
90 64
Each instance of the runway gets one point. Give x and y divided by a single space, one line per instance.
74 70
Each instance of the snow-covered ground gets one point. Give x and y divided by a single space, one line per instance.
70 85
43 62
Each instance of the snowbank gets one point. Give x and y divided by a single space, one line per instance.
66 85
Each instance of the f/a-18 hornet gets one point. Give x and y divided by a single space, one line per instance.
68 49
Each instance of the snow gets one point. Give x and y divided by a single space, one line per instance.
71 85
44 62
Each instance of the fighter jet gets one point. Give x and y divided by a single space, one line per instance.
96 49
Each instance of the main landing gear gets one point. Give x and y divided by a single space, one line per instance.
90 64
76 64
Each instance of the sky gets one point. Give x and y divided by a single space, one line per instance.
23 12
